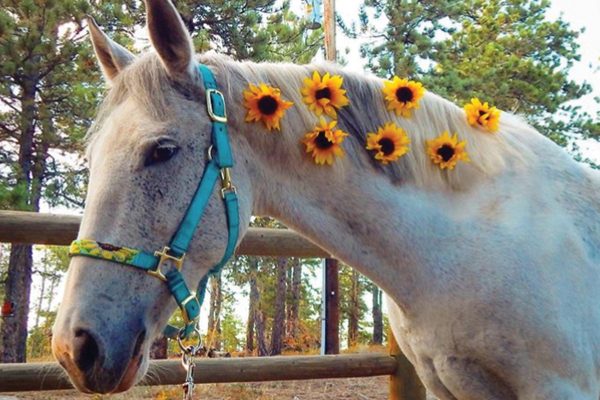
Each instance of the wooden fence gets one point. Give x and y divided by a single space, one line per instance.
25 227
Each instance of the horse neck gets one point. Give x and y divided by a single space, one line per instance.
389 229
349 208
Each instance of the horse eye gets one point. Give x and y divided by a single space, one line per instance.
161 153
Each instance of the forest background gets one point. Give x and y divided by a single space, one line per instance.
521 55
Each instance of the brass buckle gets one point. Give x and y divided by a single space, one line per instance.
209 106
184 314
226 182
164 256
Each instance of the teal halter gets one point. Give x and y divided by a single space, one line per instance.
219 164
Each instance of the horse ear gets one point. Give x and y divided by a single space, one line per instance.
170 38
112 56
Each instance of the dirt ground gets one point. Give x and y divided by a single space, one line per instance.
375 388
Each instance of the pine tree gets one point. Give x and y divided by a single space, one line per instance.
377 300
293 304
214 313
354 309
44 110
506 52
259 30
352 306
278 328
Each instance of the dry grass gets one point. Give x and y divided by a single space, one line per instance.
374 388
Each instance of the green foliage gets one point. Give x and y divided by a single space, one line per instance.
259 30
49 271
50 84
39 340
352 289
232 330
45 106
504 51
285 37
411 30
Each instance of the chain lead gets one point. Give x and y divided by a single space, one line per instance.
188 387
187 361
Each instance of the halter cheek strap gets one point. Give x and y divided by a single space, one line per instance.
218 166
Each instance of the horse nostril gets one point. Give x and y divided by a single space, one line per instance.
85 350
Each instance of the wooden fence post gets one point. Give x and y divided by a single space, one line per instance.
332 307
404 384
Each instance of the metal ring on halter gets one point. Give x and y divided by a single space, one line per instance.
190 350
210 152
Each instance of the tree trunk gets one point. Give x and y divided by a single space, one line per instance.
377 315
258 317
294 303
252 306
354 311
40 304
279 317
214 314
13 331
259 322
18 286
50 299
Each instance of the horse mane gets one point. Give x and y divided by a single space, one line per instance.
489 153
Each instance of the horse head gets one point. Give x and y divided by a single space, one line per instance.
147 153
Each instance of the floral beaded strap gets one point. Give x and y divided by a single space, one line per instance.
109 252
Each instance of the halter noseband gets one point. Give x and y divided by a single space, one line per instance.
220 162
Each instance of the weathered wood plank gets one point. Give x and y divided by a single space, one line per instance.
39 228
404 383
50 376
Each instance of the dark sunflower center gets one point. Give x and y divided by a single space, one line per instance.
322 142
446 152
404 94
267 105
387 146
481 113
324 93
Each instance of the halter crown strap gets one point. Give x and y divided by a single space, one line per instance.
220 161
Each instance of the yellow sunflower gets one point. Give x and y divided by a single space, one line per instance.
403 95
390 143
446 151
324 95
324 142
264 103
482 115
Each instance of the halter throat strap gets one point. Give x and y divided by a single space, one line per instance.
218 167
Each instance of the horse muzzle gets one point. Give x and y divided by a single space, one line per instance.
95 361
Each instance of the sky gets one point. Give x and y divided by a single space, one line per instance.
579 13
585 14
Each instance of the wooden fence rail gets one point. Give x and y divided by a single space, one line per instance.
50 376
29 227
